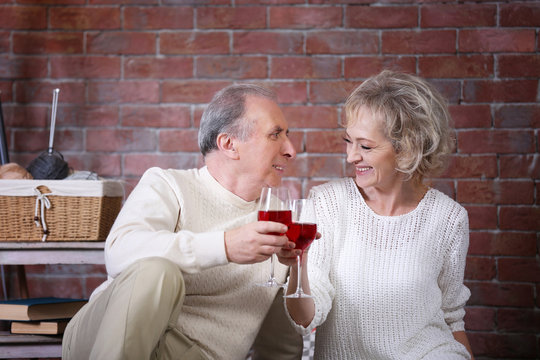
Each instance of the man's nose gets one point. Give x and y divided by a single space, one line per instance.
288 149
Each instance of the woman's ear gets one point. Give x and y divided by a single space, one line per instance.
226 144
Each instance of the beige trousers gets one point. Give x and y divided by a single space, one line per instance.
111 326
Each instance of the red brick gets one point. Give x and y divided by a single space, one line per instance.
51 2
519 65
519 269
500 294
235 67
444 186
85 67
191 91
495 192
461 66
122 42
518 320
503 346
194 43
48 43
297 140
520 14
6 93
331 91
381 17
479 318
158 18
85 18
266 42
480 268
449 89
496 40
123 91
342 42
325 142
26 116
366 66
290 92
44 286
23 67
517 116
160 68
88 116
470 116
520 166
489 141
5 41
312 116
482 217
137 164
460 15
242 17
42 92
156 116
466 166
316 166
519 218
268 2
305 67
120 140
23 17
502 243
38 140
305 17
419 42
500 91
178 140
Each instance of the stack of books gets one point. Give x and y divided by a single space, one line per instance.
46 315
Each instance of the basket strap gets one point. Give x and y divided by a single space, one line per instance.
42 202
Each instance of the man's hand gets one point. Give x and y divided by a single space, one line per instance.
255 242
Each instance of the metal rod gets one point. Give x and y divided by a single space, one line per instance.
53 119
4 154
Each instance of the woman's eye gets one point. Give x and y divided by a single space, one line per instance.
347 140
365 147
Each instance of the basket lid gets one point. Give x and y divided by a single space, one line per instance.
79 188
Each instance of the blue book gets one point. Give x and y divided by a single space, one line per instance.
44 308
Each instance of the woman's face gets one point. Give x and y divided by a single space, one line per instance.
371 153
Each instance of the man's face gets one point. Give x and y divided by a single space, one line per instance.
267 152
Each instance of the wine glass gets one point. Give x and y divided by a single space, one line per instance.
302 231
274 205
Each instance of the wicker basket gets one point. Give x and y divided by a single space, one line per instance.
58 210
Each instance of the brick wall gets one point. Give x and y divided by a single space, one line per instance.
135 76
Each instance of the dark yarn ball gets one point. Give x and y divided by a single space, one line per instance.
49 165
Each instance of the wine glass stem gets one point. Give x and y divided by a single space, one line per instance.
299 271
272 266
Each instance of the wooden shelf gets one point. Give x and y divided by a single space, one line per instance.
61 252
29 346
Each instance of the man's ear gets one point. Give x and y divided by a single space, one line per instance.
226 144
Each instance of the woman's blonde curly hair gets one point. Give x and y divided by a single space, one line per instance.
414 118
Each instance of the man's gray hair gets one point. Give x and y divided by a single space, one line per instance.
224 114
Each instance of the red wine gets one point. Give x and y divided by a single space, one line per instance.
302 234
281 216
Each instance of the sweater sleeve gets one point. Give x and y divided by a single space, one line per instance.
146 227
454 293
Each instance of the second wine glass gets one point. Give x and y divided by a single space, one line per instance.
302 231
274 205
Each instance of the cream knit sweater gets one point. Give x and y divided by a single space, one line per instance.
387 287
181 215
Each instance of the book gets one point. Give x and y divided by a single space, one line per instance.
48 327
44 308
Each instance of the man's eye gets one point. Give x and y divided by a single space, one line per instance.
275 135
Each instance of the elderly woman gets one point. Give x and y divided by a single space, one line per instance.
387 274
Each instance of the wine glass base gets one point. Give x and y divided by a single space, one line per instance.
298 295
270 283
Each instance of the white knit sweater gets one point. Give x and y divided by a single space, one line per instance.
181 215
387 287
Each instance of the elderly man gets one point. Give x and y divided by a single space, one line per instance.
186 250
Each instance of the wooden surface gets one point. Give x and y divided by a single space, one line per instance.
29 346
34 253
